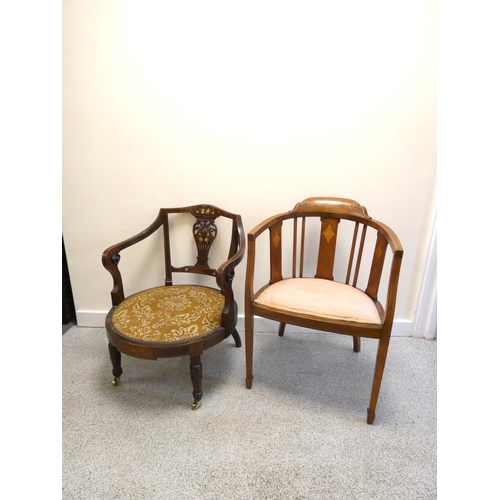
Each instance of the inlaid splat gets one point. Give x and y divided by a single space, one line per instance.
204 232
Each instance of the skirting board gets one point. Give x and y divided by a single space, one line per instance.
96 319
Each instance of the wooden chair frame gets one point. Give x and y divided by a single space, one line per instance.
204 233
330 211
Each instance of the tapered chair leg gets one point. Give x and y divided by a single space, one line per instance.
249 348
383 347
116 361
195 368
356 344
281 330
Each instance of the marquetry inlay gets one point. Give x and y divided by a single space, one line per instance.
328 233
276 239
205 211
204 231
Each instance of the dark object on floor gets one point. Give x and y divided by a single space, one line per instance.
68 306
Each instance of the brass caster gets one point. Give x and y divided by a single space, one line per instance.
115 381
195 405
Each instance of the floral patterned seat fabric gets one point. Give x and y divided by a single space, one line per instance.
169 314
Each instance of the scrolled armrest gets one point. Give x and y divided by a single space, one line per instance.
225 272
111 258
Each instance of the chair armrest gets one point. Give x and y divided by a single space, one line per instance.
251 238
266 224
390 235
111 258
225 271
397 258
225 274
392 287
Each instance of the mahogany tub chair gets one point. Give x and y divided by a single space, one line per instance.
318 254
178 319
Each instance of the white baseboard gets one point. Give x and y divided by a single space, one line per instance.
402 328
96 319
425 323
91 319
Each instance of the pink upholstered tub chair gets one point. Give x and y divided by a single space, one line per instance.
327 262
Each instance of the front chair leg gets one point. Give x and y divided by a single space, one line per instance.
196 377
116 361
249 348
383 347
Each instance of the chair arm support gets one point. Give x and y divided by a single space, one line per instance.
249 281
251 239
392 287
225 272
111 258
397 257
266 224
392 239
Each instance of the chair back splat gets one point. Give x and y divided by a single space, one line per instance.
177 319
328 265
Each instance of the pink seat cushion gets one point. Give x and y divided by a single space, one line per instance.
319 297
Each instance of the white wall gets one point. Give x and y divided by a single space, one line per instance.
251 107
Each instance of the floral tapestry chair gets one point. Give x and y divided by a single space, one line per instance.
178 319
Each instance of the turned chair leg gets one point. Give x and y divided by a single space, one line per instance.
281 330
383 347
196 377
116 361
237 339
356 344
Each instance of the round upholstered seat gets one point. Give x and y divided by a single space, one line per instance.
169 314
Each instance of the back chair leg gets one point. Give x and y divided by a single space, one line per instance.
281 330
249 348
356 344
383 347
116 361
237 339
195 368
